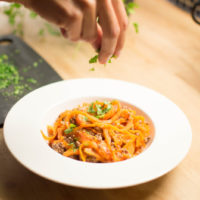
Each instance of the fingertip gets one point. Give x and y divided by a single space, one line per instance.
103 59
117 54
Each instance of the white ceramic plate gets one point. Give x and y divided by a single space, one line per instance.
42 106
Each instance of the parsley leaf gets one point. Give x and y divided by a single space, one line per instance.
91 108
52 30
70 129
93 60
136 26
92 69
130 6
99 110
72 125
85 118
33 15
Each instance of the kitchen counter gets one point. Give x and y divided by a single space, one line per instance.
164 56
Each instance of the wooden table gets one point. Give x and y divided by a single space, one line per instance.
165 56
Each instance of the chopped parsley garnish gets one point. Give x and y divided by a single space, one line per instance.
73 146
130 6
99 110
92 69
41 32
33 15
94 59
91 108
35 64
53 31
85 118
70 129
72 125
136 26
31 80
67 131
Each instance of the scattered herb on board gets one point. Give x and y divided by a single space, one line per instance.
11 82
35 64
32 80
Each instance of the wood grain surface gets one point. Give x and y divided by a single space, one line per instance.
164 56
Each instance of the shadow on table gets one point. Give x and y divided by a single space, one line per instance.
17 183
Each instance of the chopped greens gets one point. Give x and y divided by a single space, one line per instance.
35 64
12 80
130 6
91 108
52 30
136 26
99 110
92 69
31 80
72 125
94 59
70 129
41 32
85 118
33 15
15 14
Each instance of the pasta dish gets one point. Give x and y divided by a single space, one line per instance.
101 131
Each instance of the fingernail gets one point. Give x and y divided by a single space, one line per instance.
101 60
107 61
117 54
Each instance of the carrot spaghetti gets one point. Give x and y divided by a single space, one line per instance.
99 132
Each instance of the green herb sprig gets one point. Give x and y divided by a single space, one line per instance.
70 129
99 110
12 82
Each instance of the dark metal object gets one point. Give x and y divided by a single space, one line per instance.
192 6
196 13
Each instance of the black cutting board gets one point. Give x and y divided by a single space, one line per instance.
29 65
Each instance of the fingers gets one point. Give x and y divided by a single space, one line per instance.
74 23
110 28
82 23
97 43
89 29
123 23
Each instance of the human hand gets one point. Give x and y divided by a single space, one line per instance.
78 20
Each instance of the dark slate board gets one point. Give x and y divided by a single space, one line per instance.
23 57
